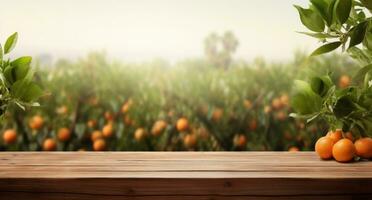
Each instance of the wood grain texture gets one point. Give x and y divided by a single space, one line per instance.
180 175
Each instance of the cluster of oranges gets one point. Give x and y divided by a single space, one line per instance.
340 146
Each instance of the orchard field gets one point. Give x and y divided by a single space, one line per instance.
215 103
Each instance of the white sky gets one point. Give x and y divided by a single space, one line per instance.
144 29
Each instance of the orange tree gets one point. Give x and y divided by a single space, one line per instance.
16 88
348 110
97 104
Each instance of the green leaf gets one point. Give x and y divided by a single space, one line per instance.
25 91
304 100
311 19
362 56
358 33
9 74
359 76
344 106
342 10
10 43
318 35
21 67
322 7
321 85
326 48
368 38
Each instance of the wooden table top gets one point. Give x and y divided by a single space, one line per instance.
177 165
180 175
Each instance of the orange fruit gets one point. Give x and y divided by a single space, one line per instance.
189 140
253 125
182 124
109 116
240 141
335 135
276 103
343 150
284 100
247 104
96 135
36 122
363 148
126 106
293 149
281 116
140 134
158 127
323 147
107 130
217 114
99 145
92 123
10 136
344 81
49 145
267 109
64 134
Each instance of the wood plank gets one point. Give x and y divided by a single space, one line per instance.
180 175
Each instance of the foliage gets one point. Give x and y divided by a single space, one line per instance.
16 85
244 107
346 24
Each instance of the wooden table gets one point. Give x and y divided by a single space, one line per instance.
180 175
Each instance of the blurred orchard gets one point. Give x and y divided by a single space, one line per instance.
215 103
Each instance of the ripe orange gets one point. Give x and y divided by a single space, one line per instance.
36 122
140 134
276 103
189 140
293 149
217 114
92 123
253 125
49 145
323 147
64 134
284 100
335 135
267 109
182 124
343 150
363 148
126 106
96 135
109 116
281 116
240 141
344 81
158 127
10 136
247 104
99 145
107 130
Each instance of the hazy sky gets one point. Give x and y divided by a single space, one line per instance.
144 29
